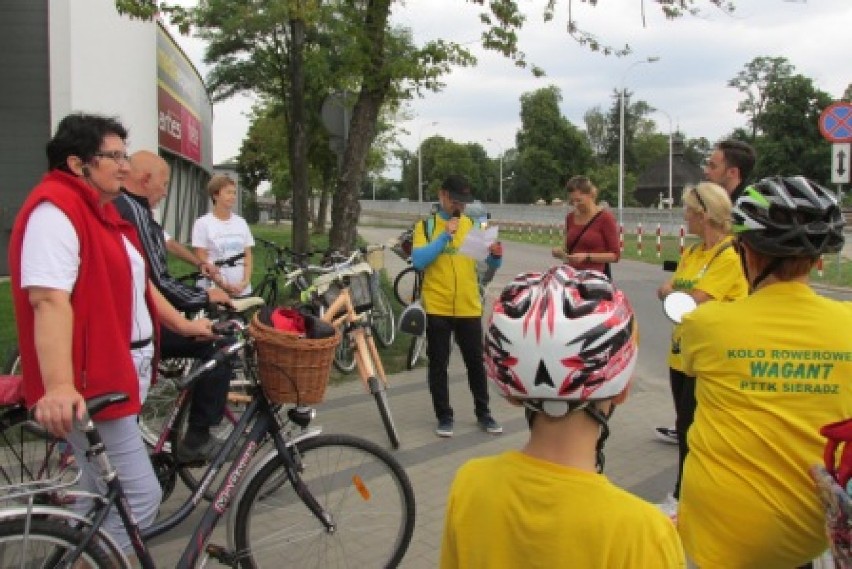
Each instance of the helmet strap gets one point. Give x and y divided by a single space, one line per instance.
767 270
602 420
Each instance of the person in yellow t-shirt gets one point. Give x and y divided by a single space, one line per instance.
563 344
770 369
450 298
709 270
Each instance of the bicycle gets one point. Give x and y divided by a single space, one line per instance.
343 293
307 522
28 453
279 261
407 287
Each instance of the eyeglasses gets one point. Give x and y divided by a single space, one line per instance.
118 156
698 197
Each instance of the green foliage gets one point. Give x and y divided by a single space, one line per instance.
550 148
754 81
8 332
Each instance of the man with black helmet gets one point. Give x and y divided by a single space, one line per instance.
771 369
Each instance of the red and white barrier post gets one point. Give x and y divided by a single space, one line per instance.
819 266
621 239
682 240
659 240
639 239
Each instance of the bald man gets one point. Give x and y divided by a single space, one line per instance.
145 187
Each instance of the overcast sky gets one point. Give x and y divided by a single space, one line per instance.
698 55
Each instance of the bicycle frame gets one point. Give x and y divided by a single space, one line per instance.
367 358
262 416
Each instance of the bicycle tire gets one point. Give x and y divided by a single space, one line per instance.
380 394
29 453
406 286
46 541
382 319
344 355
12 365
365 489
415 350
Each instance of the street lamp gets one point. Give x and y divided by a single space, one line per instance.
671 203
420 161
621 137
500 146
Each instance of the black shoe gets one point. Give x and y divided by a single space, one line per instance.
200 452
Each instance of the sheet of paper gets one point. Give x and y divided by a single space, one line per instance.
477 242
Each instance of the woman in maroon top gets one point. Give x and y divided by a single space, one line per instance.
591 232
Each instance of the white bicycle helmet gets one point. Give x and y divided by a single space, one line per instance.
562 335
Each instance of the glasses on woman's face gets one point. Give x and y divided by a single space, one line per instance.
118 156
698 197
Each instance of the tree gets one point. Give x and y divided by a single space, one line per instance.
596 129
549 146
754 81
791 142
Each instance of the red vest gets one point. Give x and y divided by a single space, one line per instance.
101 299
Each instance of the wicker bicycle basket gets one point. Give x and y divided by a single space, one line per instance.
292 369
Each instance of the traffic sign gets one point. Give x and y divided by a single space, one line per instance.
840 162
835 122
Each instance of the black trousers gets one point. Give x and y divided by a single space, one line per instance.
211 391
683 393
468 336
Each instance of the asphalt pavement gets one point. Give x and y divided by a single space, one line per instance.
635 460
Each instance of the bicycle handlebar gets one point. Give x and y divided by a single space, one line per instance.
225 353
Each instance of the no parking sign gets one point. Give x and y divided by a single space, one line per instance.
835 122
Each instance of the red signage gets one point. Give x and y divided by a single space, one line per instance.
180 129
835 122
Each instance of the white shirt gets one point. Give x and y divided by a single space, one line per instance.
50 258
224 239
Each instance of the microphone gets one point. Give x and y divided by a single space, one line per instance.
456 215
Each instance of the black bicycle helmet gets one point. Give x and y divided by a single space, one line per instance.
789 217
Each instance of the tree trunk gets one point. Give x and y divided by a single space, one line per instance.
346 209
298 140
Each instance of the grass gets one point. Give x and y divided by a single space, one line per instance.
833 273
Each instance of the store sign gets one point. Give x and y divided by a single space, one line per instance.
183 104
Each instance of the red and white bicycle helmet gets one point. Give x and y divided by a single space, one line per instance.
562 335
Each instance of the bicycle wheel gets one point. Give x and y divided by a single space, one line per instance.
44 544
377 388
382 319
29 453
363 487
415 350
344 355
12 365
406 286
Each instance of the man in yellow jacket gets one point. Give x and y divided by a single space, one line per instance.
450 297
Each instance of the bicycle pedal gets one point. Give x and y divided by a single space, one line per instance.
221 554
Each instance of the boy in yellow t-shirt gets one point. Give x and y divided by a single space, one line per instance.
768 375
563 344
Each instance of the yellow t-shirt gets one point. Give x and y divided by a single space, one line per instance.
450 282
513 511
720 276
771 369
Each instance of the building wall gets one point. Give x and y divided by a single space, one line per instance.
24 108
64 56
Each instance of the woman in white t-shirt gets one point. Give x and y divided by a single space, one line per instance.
221 234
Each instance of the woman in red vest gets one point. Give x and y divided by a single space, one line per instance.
85 310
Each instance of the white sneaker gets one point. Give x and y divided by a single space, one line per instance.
666 434
669 507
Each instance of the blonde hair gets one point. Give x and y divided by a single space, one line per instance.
712 201
217 183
